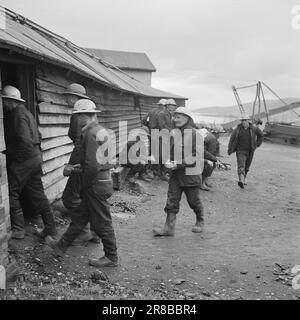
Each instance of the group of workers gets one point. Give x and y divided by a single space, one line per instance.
89 184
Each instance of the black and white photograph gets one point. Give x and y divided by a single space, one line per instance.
149 151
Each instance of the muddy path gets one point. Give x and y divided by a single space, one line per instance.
250 243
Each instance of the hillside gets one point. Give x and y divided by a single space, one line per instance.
234 110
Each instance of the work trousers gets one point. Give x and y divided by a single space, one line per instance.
244 159
174 197
26 178
94 208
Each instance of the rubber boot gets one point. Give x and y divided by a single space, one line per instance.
17 224
241 181
206 183
59 247
169 227
103 262
203 186
198 228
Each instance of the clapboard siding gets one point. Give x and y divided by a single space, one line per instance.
55 163
46 107
53 131
55 142
54 118
56 152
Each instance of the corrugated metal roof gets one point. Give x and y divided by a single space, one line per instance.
124 59
28 38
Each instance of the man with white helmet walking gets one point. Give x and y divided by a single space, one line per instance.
97 187
181 180
24 162
244 139
71 194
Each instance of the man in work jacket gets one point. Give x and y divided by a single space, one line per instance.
180 181
24 162
97 187
244 139
211 146
71 194
150 120
164 121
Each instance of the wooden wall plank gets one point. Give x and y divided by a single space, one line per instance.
56 152
55 142
53 119
53 131
46 85
55 163
56 98
46 107
52 177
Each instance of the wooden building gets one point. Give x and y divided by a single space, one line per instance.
42 64
136 64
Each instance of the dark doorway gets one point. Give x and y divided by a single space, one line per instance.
21 76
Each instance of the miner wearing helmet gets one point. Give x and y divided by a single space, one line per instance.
150 120
24 161
244 139
71 194
180 180
97 187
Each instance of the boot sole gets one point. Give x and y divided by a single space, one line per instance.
107 265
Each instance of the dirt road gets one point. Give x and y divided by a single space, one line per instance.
250 243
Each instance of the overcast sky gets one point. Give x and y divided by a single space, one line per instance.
200 48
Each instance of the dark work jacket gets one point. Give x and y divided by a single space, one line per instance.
256 138
22 136
164 120
88 150
74 134
179 174
211 144
151 119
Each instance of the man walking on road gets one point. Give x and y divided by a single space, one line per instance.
97 187
244 139
180 181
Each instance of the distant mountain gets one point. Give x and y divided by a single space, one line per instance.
233 111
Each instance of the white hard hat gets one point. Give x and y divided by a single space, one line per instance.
85 106
10 92
76 89
171 102
245 116
183 110
162 102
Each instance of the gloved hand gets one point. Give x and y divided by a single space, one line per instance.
69 169
77 168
